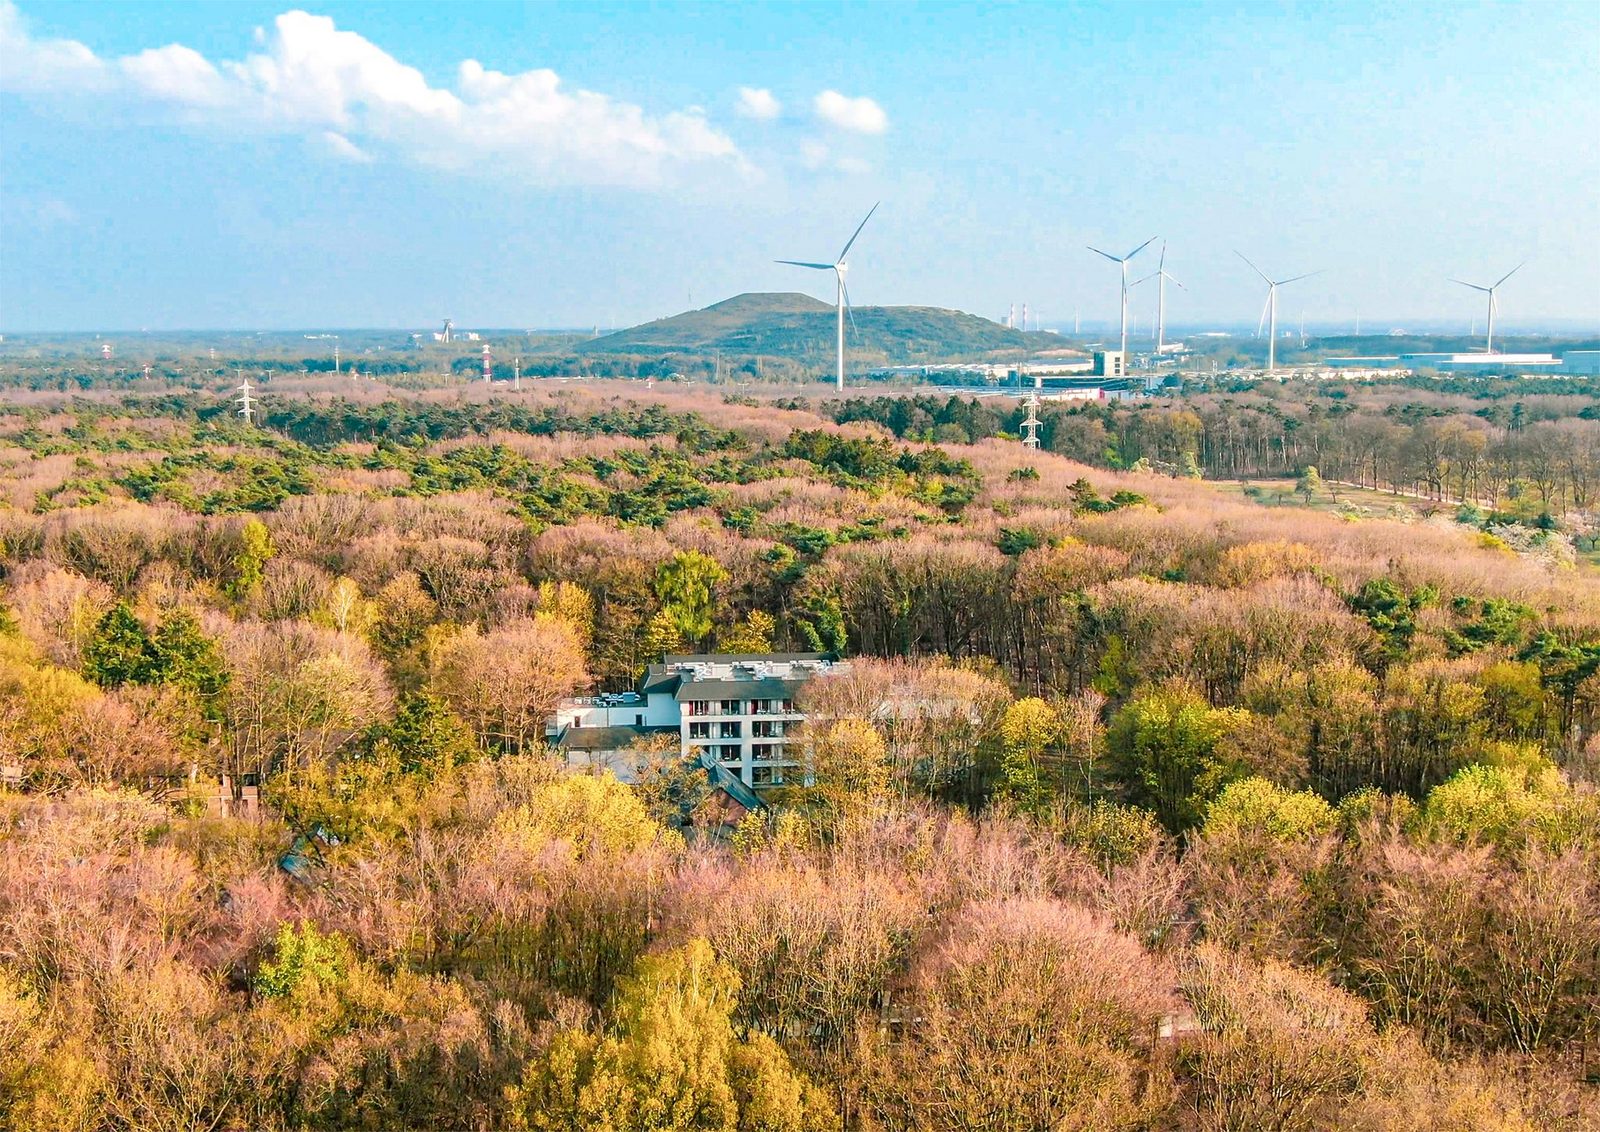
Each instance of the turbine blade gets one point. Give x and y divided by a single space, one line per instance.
1170 279
1474 286
1140 248
857 232
1152 275
1512 272
1253 267
850 310
1297 278
798 263
1263 319
1108 255
1161 264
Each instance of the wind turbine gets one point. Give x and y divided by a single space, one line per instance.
1272 307
1160 274
842 300
1488 342
1122 261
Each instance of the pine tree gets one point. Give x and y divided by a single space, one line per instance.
120 651
185 656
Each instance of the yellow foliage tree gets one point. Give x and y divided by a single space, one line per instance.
670 1061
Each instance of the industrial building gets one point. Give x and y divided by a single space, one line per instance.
1110 363
1482 363
1572 362
1581 362
736 712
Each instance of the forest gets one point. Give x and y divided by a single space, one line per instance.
1141 804
1525 447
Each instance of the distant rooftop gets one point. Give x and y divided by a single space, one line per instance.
741 657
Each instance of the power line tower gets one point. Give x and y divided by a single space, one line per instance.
1031 423
246 403
516 374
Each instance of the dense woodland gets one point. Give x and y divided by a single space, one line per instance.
1528 447
1141 805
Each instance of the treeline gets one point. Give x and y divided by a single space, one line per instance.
1536 454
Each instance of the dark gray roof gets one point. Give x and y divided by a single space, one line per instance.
655 681
604 738
764 688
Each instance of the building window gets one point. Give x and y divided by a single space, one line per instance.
765 729
699 730
730 731
788 707
763 776
764 751
731 707
730 754
697 707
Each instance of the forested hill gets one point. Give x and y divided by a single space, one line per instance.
799 326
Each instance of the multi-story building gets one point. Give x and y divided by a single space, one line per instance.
737 711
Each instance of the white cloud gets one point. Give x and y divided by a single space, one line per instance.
177 75
813 154
28 64
859 115
754 103
337 145
343 92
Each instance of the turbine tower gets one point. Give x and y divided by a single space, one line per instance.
1123 262
1160 274
1488 342
842 299
1272 307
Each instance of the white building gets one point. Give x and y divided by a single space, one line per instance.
1110 363
737 710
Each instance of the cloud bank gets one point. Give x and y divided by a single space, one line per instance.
349 97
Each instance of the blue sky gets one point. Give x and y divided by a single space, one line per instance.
252 165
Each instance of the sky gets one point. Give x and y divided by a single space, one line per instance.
250 165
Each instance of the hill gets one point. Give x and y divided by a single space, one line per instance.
798 326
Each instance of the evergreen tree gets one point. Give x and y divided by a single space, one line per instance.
120 652
185 656
425 735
